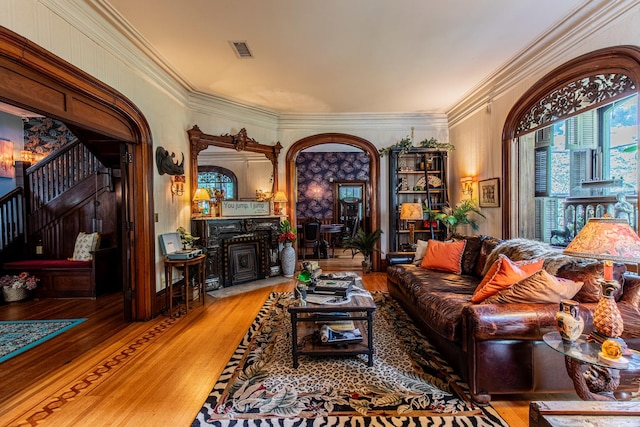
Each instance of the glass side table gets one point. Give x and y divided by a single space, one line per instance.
592 379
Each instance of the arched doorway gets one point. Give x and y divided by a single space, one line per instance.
337 138
37 80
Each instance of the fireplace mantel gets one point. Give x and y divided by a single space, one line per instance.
227 239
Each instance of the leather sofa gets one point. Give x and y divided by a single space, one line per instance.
498 348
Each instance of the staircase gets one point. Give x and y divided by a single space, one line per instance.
54 200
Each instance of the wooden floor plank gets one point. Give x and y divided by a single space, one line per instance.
107 372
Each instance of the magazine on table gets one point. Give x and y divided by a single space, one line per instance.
331 336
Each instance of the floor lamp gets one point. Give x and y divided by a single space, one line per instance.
411 212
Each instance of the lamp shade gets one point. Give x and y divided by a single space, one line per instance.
608 239
201 195
411 211
280 197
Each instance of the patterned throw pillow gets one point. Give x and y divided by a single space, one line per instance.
85 244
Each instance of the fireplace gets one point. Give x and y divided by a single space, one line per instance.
246 258
242 262
238 250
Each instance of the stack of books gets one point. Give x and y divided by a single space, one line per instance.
327 286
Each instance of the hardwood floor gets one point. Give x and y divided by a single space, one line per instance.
157 373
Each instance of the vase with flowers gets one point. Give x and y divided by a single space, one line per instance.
17 287
288 255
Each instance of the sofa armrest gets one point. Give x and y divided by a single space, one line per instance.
394 258
482 322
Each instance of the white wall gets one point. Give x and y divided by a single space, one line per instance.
476 123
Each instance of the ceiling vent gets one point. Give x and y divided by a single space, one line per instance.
241 49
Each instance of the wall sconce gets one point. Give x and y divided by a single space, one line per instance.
278 202
316 193
177 185
202 198
467 185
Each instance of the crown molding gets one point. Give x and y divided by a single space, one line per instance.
202 103
550 49
97 20
349 121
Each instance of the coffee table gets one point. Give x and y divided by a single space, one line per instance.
307 319
581 357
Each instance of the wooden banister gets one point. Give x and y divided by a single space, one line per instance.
12 219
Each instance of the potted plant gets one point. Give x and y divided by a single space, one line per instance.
459 215
186 238
17 287
364 243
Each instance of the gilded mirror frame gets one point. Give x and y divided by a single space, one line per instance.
239 142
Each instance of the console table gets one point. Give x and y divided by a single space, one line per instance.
170 264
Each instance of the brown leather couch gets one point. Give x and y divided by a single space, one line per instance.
498 348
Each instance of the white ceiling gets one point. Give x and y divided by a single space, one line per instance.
338 56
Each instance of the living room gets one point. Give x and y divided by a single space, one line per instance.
475 124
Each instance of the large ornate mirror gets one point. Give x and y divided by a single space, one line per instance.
252 165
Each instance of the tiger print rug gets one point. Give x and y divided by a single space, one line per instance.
408 385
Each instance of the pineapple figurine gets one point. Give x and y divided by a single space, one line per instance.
607 321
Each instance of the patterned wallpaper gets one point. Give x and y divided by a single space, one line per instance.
316 173
43 135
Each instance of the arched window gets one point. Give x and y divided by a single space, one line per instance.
570 147
216 177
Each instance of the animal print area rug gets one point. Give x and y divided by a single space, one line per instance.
409 384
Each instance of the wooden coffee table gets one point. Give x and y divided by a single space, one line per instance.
306 320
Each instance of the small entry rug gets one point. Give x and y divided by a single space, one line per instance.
248 287
409 384
19 336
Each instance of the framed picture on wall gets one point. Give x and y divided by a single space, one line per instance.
6 158
489 190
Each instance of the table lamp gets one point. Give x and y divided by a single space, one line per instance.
608 239
202 195
278 201
411 212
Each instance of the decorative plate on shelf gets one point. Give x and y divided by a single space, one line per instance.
434 181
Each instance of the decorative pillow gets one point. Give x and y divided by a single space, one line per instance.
85 244
541 288
488 245
504 273
445 256
421 249
471 252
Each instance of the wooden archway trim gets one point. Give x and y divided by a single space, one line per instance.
34 79
337 138
619 59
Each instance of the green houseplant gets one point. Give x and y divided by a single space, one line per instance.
364 243
452 217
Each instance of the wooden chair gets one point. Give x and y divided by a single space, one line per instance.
311 239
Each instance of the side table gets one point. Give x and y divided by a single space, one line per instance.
170 264
592 379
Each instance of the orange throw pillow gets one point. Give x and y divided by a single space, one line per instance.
504 273
444 256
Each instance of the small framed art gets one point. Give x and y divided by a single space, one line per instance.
489 190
